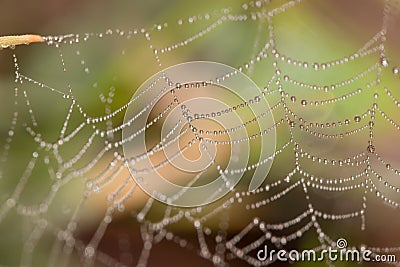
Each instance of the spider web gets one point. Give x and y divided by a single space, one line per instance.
68 198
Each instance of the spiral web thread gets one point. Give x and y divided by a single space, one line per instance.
366 173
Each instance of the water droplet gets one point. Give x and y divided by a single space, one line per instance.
121 208
303 102
89 251
371 149
395 70
293 98
384 62
357 118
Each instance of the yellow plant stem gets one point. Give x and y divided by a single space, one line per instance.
13 40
